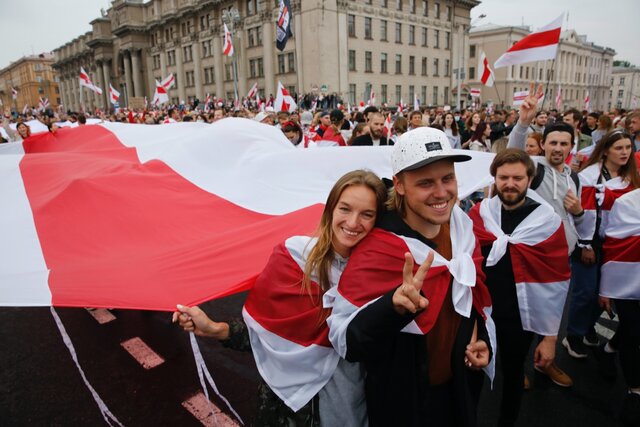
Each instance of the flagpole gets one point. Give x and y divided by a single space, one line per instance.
553 63
495 86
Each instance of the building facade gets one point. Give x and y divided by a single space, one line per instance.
580 67
397 49
33 77
625 87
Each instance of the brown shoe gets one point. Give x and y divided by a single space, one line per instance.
527 383
555 374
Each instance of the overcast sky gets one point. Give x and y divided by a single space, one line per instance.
35 26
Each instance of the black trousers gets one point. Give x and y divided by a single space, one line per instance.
629 339
513 348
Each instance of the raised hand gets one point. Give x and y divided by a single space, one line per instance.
476 355
407 297
528 107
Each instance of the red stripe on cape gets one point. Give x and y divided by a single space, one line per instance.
622 250
278 303
375 268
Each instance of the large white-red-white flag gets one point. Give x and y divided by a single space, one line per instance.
587 102
253 91
485 72
114 95
146 217
14 93
284 101
559 98
538 46
539 257
168 82
86 82
160 96
227 46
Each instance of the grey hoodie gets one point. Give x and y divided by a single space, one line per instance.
553 188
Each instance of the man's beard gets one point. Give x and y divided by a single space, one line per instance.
512 202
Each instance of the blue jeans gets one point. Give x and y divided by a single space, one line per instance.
583 306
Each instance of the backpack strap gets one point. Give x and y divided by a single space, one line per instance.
576 181
537 179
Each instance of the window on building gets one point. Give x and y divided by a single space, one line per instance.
259 64
383 3
423 94
621 81
352 60
472 51
383 30
436 63
207 48
156 62
205 21
436 36
447 40
412 6
171 57
251 7
383 93
398 32
398 64
412 65
412 92
250 38
398 93
472 73
446 68
425 36
291 62
258 31
352 25
437 10
446 95
447 14
412 34
383 62
281 68
367 28
435 95
425 8
352 93
228 72
187 54
620 93
208 75
368 68
189 79
398 4
424 66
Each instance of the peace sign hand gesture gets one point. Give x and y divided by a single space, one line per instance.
407 296
527 110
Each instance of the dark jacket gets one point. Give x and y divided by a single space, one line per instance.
397 384
366 140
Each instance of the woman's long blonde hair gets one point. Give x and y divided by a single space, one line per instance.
320 257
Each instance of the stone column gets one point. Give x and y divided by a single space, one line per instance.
197 71
268 37
106 75
150 78
241 62
182 93
104 98
138 89
163 64
218 66
127 75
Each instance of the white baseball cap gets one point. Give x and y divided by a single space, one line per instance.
420 147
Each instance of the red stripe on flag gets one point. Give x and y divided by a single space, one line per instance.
588 198
544 38
116 232
622 250
546 262
486 72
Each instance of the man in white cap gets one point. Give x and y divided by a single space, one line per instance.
422 334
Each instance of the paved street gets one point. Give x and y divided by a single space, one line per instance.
40 385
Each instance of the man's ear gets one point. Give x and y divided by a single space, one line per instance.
398 185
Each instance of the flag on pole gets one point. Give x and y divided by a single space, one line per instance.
14 93
168 81
227 47
284 101
587 102
372 98
416 102
388 125
401 106
537 46
160 96
253 91
25 109
86 82
207 102
114 95
486 73
283 25
146 101
43 103
475 93
518 97
559 98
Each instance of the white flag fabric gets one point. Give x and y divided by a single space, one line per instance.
160 96
86 82
114 95
86 234
284 101
538 46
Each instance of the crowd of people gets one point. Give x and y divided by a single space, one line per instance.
406 294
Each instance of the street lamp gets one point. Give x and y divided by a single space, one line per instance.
231 17
460 74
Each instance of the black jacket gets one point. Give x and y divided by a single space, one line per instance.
397 383
366 140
